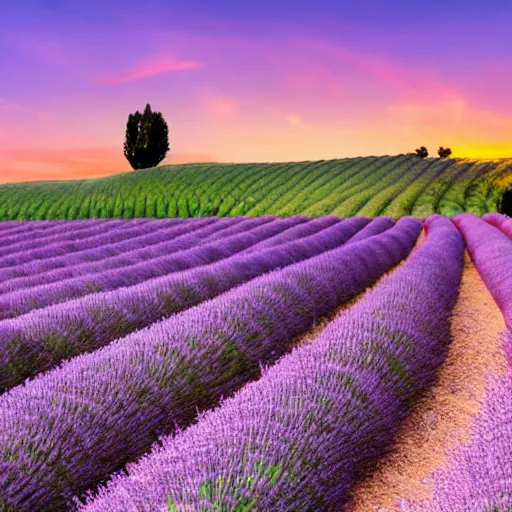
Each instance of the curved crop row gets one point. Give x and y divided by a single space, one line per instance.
31 240
160 241
281 184
57 258
40 340
375 227
485 192
491 252
404 201
314 188
300 231
429 200
66 246
326 198
298 438
357 201
453 200
336 173
500 221
477 476
68 429
63 235
109 256
383 196
36 229
13 225
158 261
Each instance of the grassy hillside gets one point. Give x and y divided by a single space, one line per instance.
371 186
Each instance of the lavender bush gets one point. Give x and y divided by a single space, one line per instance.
33 241
298 438
68 429
112 247
39 340
491 252
169 240
183 252
24 228
159 236
478 476
300 231
375 227
66 246
500 221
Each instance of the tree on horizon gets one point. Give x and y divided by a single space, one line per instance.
146 139
444 152
422 152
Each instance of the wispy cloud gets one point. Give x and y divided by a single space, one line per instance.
405 79
221 106
294 121
146 68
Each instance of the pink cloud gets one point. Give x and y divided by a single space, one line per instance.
146 68
221 107
404 78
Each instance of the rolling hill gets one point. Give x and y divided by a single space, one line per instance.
369 186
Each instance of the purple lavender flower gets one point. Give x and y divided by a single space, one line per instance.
18 230
29 244
115 243
64 245
491 252
41 339
62 267
154 261
500 221
298 438
69 428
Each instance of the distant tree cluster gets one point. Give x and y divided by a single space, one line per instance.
444 152
147 139
422 152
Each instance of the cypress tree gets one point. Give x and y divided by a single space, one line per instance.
146 139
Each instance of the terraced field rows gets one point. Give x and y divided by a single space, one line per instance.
397 186
278 361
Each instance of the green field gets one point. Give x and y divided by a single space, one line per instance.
370 186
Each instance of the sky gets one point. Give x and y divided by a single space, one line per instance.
250 81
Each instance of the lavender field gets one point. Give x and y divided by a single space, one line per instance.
256 364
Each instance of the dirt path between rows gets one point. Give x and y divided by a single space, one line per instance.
443 417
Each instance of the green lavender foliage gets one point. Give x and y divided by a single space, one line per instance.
371 186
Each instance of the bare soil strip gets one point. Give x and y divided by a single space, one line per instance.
443 418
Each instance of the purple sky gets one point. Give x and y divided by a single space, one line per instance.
250 81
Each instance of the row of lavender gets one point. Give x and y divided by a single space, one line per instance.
167 250
68 429
478 477
299 437
44 253
39 340
207 488
178 253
